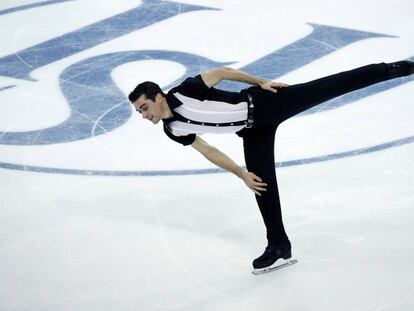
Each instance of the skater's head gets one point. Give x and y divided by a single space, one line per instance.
149 100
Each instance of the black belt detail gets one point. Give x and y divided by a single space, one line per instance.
184 119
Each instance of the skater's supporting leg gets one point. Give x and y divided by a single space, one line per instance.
259 156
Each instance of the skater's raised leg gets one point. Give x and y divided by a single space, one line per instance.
274 108
297 98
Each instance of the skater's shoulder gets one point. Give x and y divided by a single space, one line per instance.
192 86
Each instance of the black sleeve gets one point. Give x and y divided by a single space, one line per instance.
184 140
193 87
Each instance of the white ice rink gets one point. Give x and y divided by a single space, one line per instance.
99 210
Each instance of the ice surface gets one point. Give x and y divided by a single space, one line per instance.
100 211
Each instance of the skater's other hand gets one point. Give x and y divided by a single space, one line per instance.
254 182
272 86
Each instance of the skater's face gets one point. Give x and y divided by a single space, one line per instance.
150 110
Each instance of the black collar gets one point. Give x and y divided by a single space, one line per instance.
172 103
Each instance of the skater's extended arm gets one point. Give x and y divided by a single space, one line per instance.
222 160
213 77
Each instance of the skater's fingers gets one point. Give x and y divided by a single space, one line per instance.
257 192
256 183
270 89
259 185
283 84
278 84
255 177
267 86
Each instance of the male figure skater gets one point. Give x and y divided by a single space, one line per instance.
195 107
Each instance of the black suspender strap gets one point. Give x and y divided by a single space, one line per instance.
250 108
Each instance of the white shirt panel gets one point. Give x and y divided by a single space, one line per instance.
210 111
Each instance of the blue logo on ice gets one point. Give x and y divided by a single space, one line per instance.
88 82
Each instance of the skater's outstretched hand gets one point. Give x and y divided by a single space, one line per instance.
254 182
271 85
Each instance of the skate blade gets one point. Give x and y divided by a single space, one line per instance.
276 266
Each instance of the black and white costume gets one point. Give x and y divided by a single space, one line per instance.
199 109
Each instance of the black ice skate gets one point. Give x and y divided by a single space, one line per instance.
273 258
400 69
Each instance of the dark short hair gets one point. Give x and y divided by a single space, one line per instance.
148 88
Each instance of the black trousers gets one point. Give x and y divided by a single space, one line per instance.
271 109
